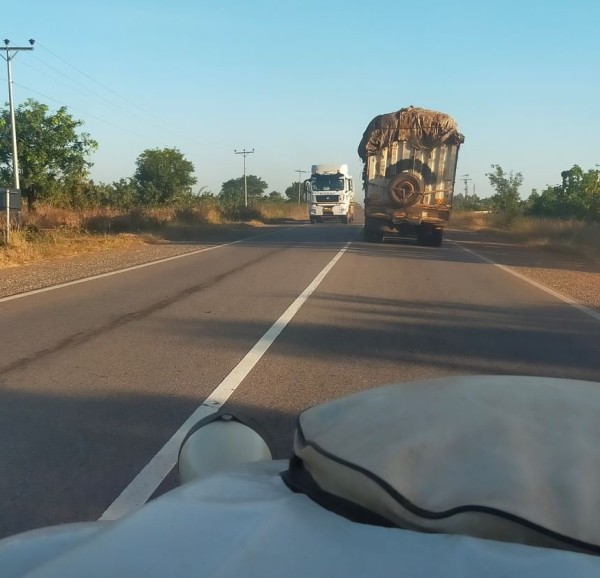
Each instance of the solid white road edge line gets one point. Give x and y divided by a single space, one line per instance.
151 476
552 292
132 268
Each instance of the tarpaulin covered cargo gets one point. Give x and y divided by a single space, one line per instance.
419 127
410 161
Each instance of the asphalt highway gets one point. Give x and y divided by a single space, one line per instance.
96 377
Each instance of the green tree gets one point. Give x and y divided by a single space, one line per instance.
121 194
53 154
544 204
232 191
163 176
580 193
577 197
276 196
471 203
292 192
506 185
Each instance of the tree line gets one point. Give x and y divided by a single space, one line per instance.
54 168
54 165
576 197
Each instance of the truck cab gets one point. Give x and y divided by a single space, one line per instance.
330 194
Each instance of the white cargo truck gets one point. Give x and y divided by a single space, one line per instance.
409 170
330 194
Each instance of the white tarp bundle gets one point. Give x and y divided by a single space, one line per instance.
247 523
503 458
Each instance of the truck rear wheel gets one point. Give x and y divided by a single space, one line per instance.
371 236
427 236
437 236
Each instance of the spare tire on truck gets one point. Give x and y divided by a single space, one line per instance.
406 189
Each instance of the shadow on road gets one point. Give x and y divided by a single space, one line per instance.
449 337
66 458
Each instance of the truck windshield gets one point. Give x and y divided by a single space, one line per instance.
327 183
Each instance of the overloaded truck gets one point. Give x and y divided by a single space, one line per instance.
409 161
330 194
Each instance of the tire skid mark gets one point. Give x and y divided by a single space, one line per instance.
85 336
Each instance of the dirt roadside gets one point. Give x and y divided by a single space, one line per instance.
41 274
574 275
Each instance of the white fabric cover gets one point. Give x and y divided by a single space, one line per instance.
526 450
247 523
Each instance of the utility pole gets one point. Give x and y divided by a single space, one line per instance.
10 53
299 181
245 153
466 179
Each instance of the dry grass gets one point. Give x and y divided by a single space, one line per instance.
51 232
27 247
277 212
555 234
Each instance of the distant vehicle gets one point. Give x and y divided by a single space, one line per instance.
410 161
330 194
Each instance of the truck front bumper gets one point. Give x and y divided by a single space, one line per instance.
328 210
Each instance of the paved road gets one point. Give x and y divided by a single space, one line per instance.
96 377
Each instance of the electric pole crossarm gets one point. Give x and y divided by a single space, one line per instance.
9 49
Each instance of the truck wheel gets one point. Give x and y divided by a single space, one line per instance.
423 236
371 236
436 237
344 219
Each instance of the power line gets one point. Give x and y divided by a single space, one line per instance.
105 87
94 93
83 90
164 125
82 111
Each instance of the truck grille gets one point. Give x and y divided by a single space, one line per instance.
327 198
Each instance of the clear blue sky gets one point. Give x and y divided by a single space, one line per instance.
299 81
